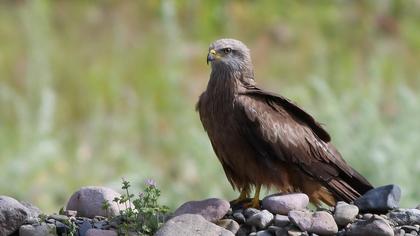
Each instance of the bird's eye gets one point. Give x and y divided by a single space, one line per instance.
227 50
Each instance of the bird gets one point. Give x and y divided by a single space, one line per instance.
263 139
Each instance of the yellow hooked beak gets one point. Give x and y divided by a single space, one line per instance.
211 56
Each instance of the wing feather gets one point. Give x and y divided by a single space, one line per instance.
279 129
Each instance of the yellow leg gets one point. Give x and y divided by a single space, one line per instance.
242 197
255 203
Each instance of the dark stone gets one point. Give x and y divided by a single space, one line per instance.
405 216
239 217
62 229
250 212
381 199
84 227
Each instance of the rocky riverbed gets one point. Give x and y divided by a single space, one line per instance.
375 213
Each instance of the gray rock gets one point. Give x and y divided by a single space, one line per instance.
100 232
264 233
281 220
320 222
323 224
88 202
229 224
375 226
42 229
12 215
191 225
33 211
379 199
250 212
261 219
70 213
367 216
345 213
239 217
212 209
301 219
61 218
283 203
405 216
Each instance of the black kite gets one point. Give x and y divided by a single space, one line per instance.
262 138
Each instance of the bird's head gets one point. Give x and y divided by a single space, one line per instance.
229 54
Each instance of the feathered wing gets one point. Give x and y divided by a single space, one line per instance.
278 129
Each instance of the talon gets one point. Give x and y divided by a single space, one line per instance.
255 203
242 197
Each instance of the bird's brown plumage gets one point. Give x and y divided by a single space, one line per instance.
262 138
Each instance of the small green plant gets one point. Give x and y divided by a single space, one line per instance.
142 214
72 227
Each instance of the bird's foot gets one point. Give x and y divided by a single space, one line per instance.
255 203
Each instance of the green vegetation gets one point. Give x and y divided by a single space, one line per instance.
142 214
91 92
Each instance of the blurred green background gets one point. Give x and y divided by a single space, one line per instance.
92 91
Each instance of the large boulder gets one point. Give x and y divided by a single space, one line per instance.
12 215
88 202
191 225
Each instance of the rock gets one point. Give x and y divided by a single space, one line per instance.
88 202
261 219
244 230
70 213
323 224
62 229
379 199
100 232
345 213
229 224
84 227
191 225
283 203
61 218
250 212
367 216
33 211
239 217
375 226
42 229
212 209
320 222
273 228
264 233
12 215
281 220
301 219
405 216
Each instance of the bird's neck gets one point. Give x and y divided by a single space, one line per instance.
229 83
